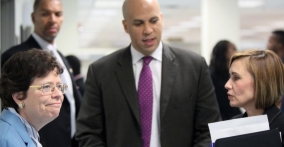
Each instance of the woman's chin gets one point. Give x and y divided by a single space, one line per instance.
54 114
233 105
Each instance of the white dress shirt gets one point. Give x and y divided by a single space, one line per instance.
65 78
156 68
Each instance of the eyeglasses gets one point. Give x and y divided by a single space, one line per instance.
49 88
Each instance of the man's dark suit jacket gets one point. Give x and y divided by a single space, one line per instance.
110 117
58 132
81 85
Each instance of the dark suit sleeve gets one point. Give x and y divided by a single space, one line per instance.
206 109
4 58
90 122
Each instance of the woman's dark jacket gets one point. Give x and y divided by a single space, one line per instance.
275 118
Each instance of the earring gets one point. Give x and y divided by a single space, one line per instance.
21 105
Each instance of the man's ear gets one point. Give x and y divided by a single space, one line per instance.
18 96
162 20
33 17
125 26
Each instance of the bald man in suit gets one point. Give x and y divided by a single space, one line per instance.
183 101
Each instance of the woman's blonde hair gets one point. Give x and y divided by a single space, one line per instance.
267 71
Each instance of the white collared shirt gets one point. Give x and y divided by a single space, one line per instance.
156 68
65 78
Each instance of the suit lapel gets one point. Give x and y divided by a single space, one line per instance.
31 42
127 82
169 73
76 93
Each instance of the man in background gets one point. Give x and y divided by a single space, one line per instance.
276 44
47 18
148 94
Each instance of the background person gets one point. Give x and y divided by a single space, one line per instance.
276 44
219 70
32 94
256 84
47 18
147 94
75 64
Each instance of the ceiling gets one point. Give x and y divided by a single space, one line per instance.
100 22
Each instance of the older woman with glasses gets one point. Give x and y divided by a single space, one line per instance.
32 94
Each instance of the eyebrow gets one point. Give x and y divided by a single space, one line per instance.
46 10
234 73
155 17
140 20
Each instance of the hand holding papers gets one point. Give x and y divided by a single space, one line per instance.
239 126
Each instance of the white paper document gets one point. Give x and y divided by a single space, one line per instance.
238 126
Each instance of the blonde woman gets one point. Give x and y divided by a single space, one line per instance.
256 84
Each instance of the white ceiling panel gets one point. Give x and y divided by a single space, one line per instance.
100 22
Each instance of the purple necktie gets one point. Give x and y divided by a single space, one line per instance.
145 96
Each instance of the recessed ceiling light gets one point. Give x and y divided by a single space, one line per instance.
261 29
247 32
250 3
189 24
108 4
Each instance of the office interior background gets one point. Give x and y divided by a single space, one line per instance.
93 28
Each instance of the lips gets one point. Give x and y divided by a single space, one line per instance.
229 95
54 105
149 42
52 30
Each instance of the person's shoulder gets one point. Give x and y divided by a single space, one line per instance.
182 51
8 136
11 51
6 130
111 58
278 122
280 118
26 45
14 49
184 55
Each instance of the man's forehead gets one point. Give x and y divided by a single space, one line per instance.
49 2
49 5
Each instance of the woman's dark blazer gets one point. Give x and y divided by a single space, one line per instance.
275 118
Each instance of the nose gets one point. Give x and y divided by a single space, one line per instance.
57 94
228 85
147 29
52 18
